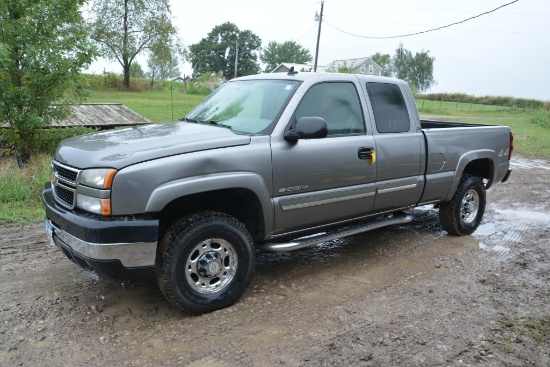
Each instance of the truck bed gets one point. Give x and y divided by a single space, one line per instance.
433 124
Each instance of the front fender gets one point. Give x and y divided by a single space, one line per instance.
173 190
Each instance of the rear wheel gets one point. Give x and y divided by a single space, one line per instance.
462 215
205 262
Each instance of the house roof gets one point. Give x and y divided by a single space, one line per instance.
298 67
354 63
100 115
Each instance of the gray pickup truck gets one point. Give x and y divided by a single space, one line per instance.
275 162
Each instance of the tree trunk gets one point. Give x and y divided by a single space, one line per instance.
127 77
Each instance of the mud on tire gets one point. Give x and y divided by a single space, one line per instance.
204 262
462 215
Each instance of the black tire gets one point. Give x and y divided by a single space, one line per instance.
462 215
205 262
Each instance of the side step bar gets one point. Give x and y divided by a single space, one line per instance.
333 235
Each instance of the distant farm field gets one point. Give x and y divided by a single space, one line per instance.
157 106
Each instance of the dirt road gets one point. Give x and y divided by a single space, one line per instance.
407 295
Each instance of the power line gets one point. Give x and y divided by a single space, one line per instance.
426 31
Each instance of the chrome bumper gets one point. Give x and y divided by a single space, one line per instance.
131 255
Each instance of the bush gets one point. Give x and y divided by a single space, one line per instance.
205 84
542 119
504 101
116 81
48 139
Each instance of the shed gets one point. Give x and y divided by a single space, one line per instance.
100 115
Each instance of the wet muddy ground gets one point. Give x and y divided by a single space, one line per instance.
407 295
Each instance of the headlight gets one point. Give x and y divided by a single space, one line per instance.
100 178
94 205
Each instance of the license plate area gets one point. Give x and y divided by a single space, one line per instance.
49 232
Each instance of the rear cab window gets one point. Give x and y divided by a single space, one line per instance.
389 108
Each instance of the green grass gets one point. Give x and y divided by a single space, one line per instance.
20 189
535 328
157 106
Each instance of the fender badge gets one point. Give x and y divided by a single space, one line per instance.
294 188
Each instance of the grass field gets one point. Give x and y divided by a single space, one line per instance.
157 106
20 189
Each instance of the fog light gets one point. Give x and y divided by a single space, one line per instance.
94 205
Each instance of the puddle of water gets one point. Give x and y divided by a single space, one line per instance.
498 249
506 223
529 164
525 214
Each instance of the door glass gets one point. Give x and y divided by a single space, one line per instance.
338 104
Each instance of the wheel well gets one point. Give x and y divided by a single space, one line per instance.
241 204
482 168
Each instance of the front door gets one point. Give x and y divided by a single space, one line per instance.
319 181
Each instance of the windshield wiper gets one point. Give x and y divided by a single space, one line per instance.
204 122
212 122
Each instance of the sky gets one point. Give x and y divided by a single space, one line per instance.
506 52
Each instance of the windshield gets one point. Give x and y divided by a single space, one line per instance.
248 106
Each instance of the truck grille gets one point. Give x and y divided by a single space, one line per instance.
64 184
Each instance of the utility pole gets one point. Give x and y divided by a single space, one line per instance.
318 37
236 57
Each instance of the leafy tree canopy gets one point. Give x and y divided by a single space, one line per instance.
384 60
216 52
416 70
43 46
163 61
125 28
289 51
136 71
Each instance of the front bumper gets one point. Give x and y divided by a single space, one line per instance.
124 243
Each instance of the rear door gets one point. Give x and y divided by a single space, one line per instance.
399 148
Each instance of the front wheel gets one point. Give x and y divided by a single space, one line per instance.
205 262
462 215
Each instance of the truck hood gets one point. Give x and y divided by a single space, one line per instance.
121 148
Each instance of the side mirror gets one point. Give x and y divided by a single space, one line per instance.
309 127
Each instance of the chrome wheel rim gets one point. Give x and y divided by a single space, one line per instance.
211 266
469 207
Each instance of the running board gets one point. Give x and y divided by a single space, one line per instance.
345 232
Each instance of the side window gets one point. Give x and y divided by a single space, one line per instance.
338 104
389 107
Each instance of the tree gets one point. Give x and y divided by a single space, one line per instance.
422 70
164 60
216 52
289 51
384 60
401 63
416 70
125 28
43 46
136 71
